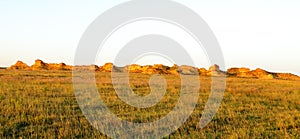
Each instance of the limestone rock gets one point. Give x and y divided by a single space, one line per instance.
60 66
215 67
19 66
39 65
108 67
287 76
215 71
173 70
240 72
134 68
93 68
160 69
262 74
188 70
203 72
146 70
235 71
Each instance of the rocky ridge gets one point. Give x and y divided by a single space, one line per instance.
160 69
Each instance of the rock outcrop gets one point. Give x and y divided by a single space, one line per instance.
160 69
173 70
247 73
108 67
40 65
188 70
215 71
60 66
203 72
236 71
260 74
286 76
19 66
240 72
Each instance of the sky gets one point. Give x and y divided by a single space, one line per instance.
255 34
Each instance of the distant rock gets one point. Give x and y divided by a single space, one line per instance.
19 66
106 67
215 67
144 69
287 76
215 71
60 66
203 72
240 72
188 70
39 65
262 74
235 71
160 69
93 68
173 70
134 68
247 73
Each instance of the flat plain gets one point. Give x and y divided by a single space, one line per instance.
42 104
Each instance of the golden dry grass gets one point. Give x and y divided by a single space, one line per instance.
42 104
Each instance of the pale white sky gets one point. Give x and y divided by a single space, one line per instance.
252 33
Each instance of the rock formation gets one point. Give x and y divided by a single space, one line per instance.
93 68
286 76
262 74
247 73
215 71
203 72
19 66
188 70
108 67
236 71
240 72
173 70
60 66
134 68
39 65
147 69
160 69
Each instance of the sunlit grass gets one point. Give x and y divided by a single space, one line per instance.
42 104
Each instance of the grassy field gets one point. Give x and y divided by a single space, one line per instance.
42 104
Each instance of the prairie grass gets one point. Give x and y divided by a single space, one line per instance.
42 104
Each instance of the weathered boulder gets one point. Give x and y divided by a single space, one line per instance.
39 65
203 72
262 74
93 68
134 68
215 71
147 70
19 66
173 70
160 69
214 67
60 66
240 72
287 76
188 70
235 71
108 67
